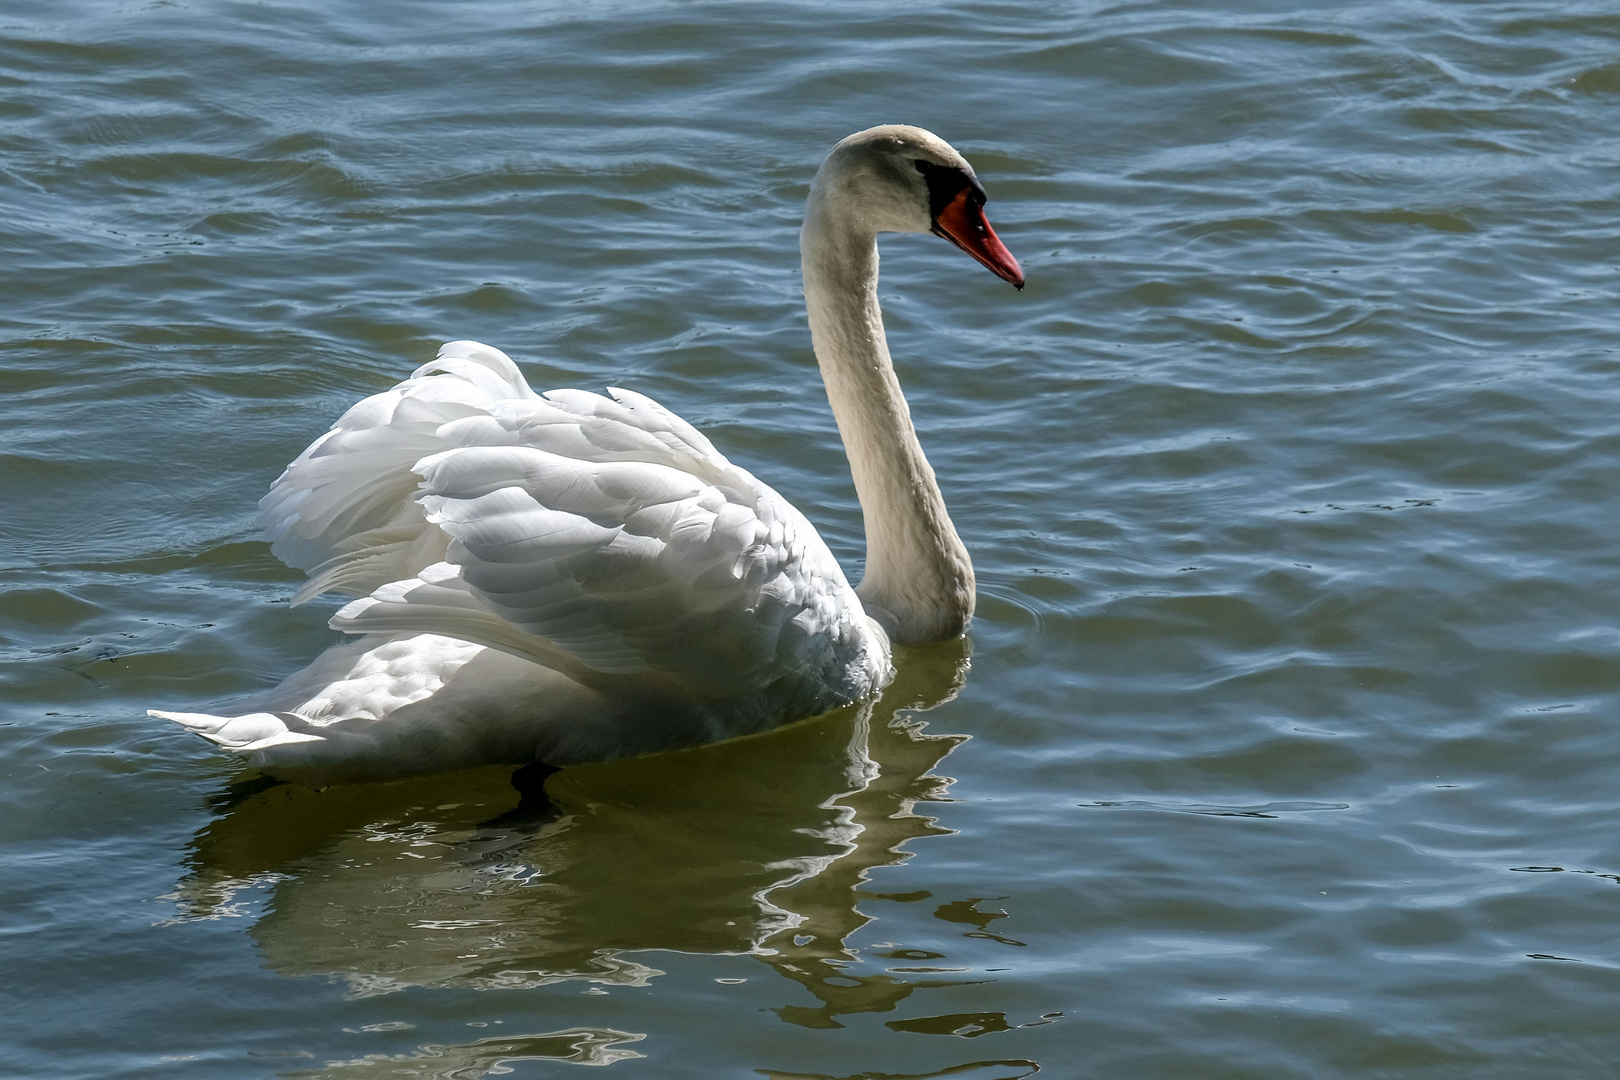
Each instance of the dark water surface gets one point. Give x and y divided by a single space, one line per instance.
1286 744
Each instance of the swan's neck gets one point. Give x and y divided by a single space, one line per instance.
919 581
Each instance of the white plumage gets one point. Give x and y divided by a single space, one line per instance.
567 576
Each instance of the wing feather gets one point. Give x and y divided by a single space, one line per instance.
600 535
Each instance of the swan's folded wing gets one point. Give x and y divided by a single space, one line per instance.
627 567
601 535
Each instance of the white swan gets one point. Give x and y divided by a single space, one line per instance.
568 577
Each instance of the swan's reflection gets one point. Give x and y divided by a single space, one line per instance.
760 844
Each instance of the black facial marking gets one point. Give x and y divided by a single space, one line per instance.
945 184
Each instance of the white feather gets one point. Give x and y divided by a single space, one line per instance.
571 576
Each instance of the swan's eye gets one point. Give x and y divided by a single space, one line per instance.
945 184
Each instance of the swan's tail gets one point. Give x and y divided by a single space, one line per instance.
288 747
246 734
380 708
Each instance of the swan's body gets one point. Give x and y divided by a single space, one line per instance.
569 577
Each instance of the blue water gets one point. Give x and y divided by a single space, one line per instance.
1284 745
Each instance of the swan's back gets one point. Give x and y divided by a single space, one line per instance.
602 537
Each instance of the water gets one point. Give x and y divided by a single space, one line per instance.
1285 745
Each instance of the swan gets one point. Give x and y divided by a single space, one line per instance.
565 577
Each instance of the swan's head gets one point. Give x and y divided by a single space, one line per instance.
896 178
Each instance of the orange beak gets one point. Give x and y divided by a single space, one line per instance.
962 222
